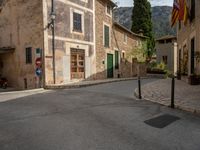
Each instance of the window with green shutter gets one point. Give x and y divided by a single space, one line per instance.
106 36
116 60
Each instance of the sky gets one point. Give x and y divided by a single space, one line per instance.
153 2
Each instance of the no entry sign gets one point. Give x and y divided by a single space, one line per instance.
38 62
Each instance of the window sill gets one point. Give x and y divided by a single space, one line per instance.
106 47
77 32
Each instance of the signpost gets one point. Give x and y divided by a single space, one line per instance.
38 72
38 62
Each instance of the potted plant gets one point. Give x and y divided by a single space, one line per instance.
194 79
179 75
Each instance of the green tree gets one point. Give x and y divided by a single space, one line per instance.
138 52
141 19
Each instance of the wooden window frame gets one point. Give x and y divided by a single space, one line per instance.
73 30
77 22
28 55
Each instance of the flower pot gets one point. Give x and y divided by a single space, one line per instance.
193 80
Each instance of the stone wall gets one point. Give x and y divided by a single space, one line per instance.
186 33
102 18
66 38
21 26
128 67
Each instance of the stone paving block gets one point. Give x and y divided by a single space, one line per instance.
187 97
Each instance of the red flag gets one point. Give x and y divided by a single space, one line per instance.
182 9
175 13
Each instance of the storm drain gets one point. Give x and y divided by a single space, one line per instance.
162 121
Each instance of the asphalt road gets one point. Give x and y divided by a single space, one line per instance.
125 88
103 117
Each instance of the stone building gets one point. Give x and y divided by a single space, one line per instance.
113 44
166 51
21 37
87 42
188 39
74 45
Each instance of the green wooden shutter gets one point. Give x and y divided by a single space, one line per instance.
106 36
116 60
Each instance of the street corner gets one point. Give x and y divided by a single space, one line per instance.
186 97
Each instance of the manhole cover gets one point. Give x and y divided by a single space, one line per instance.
162 121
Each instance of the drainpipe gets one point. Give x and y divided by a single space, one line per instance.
53 17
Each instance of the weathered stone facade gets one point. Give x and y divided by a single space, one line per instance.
101 19
21 26
24 24
127 68
125 45
67 39
187 33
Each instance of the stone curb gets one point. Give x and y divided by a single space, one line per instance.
89 84
24 91
77 85
187 109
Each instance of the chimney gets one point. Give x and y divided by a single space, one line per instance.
141 32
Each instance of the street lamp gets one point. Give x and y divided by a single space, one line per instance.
53 17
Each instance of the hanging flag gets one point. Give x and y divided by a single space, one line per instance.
181 9
175 13
185 18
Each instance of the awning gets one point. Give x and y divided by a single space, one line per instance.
4 50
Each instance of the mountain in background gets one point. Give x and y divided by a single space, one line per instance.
160 18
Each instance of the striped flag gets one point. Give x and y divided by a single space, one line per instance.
175 13
182 9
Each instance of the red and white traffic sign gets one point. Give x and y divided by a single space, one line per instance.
38 61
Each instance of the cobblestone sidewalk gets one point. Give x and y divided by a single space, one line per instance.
187 97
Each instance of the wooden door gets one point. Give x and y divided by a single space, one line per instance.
77 64
109 65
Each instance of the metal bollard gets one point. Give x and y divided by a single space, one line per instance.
172 92
139 87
